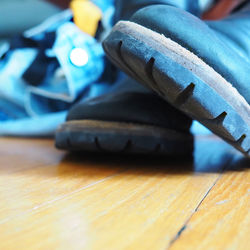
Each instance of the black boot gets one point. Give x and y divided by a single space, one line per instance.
130 119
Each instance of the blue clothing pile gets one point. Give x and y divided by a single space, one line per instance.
46 70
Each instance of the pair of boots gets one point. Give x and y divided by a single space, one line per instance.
202 70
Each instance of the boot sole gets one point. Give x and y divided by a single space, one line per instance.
117 137
187 82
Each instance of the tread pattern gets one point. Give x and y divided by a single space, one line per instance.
185 95
103 148
220 119
185 100
69 139
149 72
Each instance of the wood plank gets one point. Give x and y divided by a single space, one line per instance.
223 219
118 212
51 200
33 173
20 154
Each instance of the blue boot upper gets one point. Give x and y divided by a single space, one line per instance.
224 45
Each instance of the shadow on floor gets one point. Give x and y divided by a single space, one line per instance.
210 156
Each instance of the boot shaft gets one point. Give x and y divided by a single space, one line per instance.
126 8
235 31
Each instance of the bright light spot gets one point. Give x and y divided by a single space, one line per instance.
79 57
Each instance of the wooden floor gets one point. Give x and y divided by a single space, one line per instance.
54 200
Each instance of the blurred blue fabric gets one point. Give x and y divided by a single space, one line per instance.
28 110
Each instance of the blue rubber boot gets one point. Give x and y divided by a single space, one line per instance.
201 68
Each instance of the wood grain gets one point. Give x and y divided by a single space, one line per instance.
223 219
54 200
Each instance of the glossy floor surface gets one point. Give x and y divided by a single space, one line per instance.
54 200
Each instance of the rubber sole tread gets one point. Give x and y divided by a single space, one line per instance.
118 48
112 137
